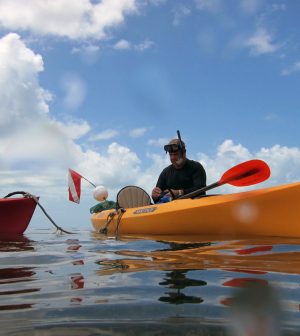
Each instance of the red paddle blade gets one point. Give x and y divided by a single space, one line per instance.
246 173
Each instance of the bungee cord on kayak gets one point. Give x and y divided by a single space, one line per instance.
110 218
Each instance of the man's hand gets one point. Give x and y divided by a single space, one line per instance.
156 192
175 192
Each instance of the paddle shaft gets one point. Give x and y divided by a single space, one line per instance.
217 184
200 191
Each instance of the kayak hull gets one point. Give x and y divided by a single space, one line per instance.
263 212
15 214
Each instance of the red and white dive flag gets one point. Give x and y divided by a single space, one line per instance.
74 184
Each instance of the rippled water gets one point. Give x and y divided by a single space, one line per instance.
88 284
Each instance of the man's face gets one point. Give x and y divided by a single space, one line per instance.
174 156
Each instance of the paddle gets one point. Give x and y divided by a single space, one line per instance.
241 175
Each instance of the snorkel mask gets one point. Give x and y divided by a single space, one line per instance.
173 148
177 146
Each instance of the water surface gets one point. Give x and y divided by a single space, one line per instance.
89 284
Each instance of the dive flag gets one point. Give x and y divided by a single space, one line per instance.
74 184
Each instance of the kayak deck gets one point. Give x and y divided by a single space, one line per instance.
263 212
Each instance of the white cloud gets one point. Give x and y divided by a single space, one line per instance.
18 78
250 6
278 7
157 2
77 19
74 130
271 117
89 53
42 142
147 44
105 135
126 45
213 6
261 43
158 142
122 45
29 137
228 155
117 167
149 176
75 90
180 13
284 163
290 70
229 149
137 132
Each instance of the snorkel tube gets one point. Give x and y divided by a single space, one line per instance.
180 160
180 143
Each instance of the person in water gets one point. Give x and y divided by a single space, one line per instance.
182 176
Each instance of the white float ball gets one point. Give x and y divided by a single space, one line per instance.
100 193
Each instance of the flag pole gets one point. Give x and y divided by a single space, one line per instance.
89 181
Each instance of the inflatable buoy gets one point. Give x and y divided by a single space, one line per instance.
100 193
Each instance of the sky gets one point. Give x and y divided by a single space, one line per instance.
101 86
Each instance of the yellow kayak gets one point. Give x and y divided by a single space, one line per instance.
263 212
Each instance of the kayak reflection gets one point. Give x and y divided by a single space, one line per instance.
177 281
11 280
241 255
15 243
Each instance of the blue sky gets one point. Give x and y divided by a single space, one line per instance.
100 86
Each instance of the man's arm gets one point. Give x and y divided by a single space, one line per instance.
160 186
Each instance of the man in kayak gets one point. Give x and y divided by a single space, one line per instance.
181 177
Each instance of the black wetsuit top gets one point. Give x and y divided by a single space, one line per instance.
190 177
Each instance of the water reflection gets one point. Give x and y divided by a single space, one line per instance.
77 281
256 310
13 278
245 282
242 282
223 255
16 274
253 261
15 243
176 246
73 245
16 306
8 290
177 281
171 282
